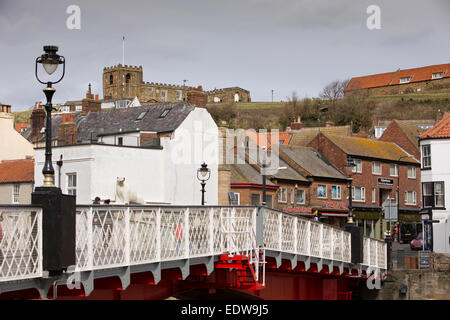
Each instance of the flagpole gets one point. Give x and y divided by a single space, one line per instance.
123 51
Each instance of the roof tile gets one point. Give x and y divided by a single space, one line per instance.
439 130
12 171
393 78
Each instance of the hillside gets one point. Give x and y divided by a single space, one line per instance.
357 110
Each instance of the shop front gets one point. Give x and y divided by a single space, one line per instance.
370 219
332 213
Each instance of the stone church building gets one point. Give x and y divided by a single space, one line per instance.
126 82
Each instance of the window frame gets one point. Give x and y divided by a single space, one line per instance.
428 156
326 191
340 192
415 172
414 195
373 166
181 95
304 196
442 194
405 80
256 194
164 95
282 191
355 168
432 196
363 194
16 195
72 188
395 171
374 195
437 75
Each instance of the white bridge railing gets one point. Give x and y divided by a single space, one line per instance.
117 236
375 253
114 236
20 242
298 235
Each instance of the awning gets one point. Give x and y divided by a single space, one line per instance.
333 214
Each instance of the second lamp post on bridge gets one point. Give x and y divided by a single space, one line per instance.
203 174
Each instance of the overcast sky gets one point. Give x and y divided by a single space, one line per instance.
259 45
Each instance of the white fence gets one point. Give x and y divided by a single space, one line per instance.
20 242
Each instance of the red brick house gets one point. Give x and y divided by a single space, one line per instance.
405 135
380 168
327 189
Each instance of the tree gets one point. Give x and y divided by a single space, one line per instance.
334 90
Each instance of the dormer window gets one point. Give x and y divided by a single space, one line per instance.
437 75
405 80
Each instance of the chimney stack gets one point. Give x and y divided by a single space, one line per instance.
67 130
6 108
37 120
439 115
297 125
196 96
90 103
329 123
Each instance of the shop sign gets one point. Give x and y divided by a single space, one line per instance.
334 205
297 209
385 182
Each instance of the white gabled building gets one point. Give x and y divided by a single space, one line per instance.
157 149
435 172
12 145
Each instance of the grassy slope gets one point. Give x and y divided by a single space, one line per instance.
22 116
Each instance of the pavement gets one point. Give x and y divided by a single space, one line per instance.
399 251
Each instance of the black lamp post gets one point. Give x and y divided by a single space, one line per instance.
203 174
398 189
58 210
50 60
350 164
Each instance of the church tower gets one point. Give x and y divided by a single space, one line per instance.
120 82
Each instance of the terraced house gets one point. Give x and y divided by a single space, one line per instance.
306 184
435 152
384 175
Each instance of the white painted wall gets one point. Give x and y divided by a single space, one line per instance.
166 176
129 139
12 144
195 141
440 171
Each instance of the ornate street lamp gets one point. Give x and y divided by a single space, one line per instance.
350 164
203 175
50 61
